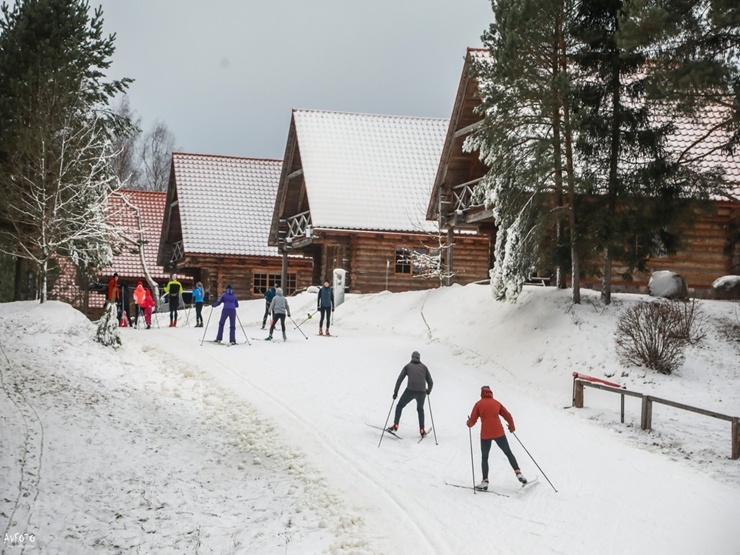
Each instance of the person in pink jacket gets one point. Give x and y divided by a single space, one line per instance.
148 304
490 411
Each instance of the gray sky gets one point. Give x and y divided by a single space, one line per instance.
225 74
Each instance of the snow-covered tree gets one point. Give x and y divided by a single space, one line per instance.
108 333
56 133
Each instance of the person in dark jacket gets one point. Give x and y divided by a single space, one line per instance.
269 295
173 290
198 295
490 411
418 387
230 302
325 304
278 308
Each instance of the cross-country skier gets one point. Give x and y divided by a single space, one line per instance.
173 290
269 295
230 302
325 304
198 296
418 387
490 410
279 308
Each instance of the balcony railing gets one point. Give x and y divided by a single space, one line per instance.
299 225
464 195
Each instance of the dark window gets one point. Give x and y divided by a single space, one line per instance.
403 260
262 281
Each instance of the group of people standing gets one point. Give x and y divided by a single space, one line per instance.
143 300
489 410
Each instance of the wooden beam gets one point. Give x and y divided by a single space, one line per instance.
468 129
295 174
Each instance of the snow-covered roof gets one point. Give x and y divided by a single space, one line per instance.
151 204
225 203
366 171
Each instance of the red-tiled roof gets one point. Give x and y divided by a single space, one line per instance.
124 214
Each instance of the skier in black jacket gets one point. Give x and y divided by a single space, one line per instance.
325 304
418 387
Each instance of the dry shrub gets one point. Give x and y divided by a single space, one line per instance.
655 334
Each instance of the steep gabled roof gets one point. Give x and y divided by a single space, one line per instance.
366 171
225 203
151 205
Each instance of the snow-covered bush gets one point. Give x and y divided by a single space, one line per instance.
654 335
668 285
108 333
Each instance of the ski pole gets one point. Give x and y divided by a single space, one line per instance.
393 401
298 328
472 463
206 328
431 416
534 461
306 319
242 327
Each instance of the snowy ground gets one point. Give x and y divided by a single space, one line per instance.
167 446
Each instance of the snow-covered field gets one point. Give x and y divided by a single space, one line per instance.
167 446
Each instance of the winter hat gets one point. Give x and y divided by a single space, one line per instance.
140 284
415 356
485 391
228 287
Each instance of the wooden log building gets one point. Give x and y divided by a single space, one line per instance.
216 226
711 244
352 195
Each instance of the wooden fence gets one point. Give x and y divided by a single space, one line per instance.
646 418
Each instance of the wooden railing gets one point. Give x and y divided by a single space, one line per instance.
464 194
298 224
646 417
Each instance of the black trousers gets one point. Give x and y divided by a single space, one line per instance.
485 449
275 319
327 310
173 310
198 313
405 399
267 313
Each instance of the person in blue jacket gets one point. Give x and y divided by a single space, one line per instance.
269 295
230 302
198 295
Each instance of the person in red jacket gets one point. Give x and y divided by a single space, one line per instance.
490 410
148 304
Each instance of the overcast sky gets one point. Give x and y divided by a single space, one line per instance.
224 75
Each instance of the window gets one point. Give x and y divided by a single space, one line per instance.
408 262
403 260
262 281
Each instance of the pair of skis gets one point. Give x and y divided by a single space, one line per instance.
489 490
394 434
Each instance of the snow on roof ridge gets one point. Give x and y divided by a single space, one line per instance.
251 158
334 112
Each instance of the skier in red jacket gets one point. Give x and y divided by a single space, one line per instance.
490 410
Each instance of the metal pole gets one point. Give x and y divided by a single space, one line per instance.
534 461
431 416
298 328
472 463
206 328
393 401
242 327
306 319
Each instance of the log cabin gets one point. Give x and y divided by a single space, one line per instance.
352 195
710 244
216 226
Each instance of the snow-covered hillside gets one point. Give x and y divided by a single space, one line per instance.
167 446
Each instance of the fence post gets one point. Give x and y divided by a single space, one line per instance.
646 419
735 438
578 395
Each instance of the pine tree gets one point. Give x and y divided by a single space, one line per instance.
526 141
55 149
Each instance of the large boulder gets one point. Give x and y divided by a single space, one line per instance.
726 287
668 285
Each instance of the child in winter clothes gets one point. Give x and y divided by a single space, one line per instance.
279 308
489 410
148 304
231 303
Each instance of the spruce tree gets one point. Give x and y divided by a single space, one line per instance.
55 148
